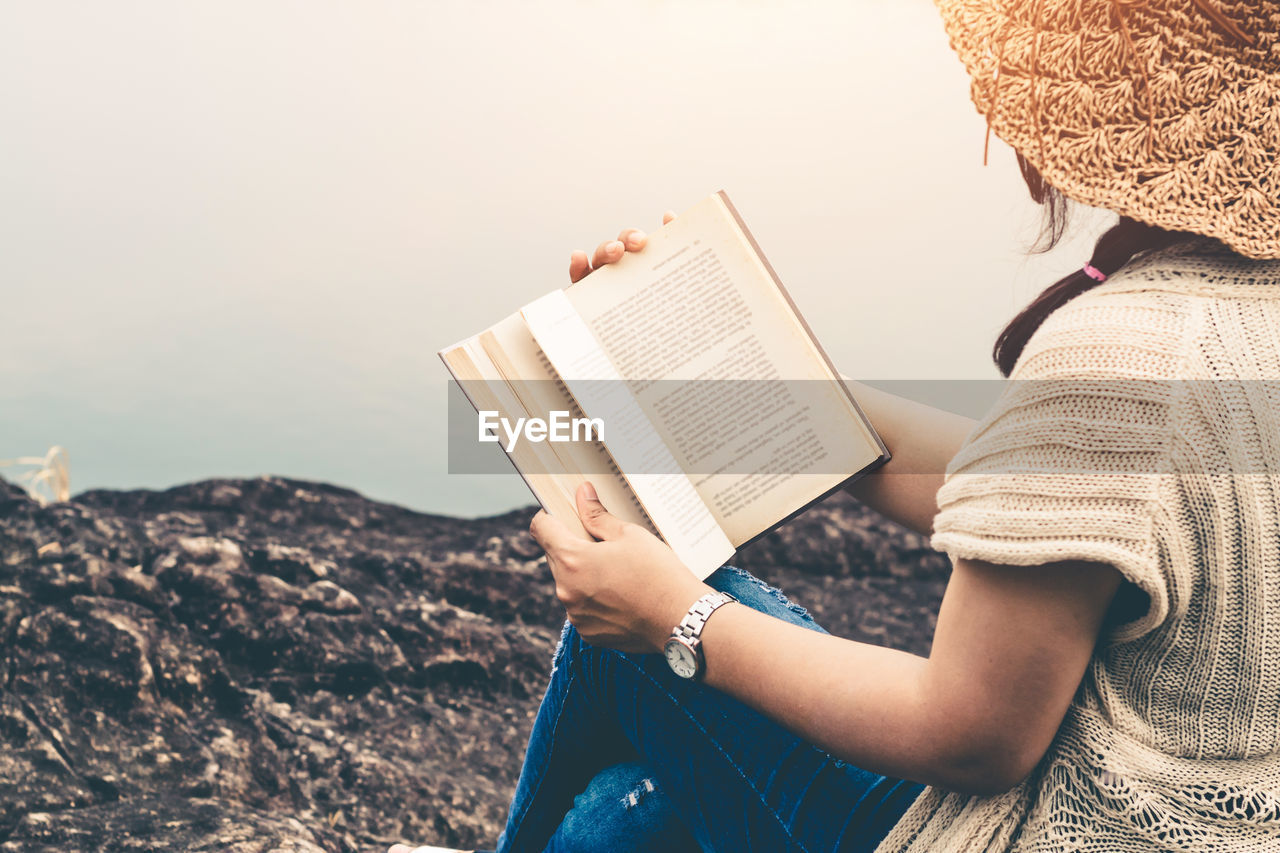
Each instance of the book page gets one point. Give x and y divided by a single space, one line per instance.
719 361
480 382
528 374
667 496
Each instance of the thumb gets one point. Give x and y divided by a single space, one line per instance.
595 517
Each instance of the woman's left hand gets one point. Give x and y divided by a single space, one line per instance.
627 590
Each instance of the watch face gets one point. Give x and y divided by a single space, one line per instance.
680 658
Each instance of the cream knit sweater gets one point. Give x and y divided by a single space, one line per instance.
1141 428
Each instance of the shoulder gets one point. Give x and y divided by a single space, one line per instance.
1097 377
1136 325
1143 321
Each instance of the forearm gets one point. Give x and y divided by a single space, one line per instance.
871 706
922 440
862 703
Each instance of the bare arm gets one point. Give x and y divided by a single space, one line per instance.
1010 649
922 440
1009 652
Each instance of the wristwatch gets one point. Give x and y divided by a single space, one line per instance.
683 649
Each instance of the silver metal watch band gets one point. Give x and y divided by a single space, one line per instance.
690 627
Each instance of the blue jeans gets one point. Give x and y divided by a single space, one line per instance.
626 756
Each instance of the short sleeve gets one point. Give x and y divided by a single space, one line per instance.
1072 459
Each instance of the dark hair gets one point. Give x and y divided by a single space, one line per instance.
1116 247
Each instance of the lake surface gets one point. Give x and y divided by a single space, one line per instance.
234 235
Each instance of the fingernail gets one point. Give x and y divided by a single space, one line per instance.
590 491
616 246
636 238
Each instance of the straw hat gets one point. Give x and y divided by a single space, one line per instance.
1167 111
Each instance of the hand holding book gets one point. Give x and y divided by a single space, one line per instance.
724 415
594 584
629 240
625 589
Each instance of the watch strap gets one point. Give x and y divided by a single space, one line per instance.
690 627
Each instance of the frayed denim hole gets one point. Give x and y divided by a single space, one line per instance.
558 654
636 795
778 594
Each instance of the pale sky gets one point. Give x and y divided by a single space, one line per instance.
233 235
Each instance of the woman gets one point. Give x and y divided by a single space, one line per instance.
1105 673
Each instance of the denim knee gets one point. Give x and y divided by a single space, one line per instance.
623 809
758 595
568 635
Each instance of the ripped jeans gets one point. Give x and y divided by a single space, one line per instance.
626 756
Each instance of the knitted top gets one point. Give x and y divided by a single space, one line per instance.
1140 428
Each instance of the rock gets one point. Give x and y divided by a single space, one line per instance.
327 596
165 824
276 665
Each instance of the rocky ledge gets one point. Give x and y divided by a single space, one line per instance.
270 664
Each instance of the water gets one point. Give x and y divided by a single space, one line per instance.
235 234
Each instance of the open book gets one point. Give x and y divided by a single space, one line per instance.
719 415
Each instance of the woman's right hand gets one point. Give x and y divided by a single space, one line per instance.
629 240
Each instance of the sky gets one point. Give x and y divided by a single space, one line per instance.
234 235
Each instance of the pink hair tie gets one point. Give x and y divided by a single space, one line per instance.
1094 273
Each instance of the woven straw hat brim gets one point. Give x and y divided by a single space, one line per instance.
1147 109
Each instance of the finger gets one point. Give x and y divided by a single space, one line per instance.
606 253
579 266
633 239
668 216
550 533
598 520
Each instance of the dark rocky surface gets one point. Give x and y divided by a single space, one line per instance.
271 664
